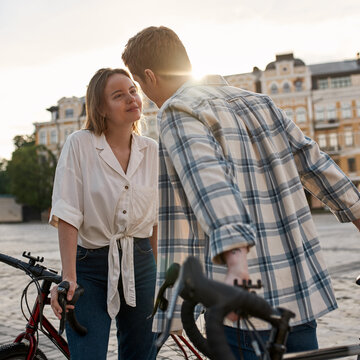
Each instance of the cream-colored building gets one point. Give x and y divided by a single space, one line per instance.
66 117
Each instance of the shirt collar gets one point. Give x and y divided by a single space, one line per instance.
138 143
214 80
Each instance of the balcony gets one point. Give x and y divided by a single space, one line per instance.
326 124
331 150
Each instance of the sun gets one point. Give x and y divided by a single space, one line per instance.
198 74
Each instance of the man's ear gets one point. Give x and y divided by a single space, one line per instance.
150 76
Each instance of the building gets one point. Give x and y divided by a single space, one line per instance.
10 210
336 106
322 99
67 116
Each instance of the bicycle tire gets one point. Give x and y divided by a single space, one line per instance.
18 351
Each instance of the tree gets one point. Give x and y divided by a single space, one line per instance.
24 140
31 171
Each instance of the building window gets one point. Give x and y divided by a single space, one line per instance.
42 137
331 111
319 113
298 85
333 141
69 113
358 108
322 141
274 89
340 82
300 115
53 137
351 165
323 83
290 114
349 139
346 110
286 88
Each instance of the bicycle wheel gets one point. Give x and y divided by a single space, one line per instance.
18 351
171 350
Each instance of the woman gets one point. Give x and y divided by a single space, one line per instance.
104 204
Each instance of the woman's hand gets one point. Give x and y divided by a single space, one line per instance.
54 298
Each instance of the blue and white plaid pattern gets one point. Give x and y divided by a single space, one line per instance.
232 171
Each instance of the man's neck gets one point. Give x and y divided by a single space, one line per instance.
170 87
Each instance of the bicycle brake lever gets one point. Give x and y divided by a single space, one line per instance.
171 276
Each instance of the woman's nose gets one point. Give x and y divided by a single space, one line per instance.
131 98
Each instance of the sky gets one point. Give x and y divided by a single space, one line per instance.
51 49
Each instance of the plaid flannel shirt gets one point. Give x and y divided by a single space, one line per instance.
232 172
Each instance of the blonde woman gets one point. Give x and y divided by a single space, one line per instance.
104 205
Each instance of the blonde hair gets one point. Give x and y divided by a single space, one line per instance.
95 120
158 49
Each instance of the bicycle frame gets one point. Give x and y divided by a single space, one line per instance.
33 325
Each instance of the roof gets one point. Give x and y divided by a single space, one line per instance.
347 66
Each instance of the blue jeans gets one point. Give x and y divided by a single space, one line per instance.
134 333
301 338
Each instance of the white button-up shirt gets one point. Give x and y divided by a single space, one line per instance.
93 193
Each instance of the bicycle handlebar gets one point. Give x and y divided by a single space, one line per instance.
219 299
63 288
36 270
40 272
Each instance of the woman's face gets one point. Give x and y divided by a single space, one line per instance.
122 102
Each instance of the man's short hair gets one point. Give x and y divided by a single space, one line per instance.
158 49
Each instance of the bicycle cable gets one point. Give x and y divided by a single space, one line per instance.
24 296
260 341
36 281
239 338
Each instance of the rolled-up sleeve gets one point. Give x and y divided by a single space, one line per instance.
320 175
67 197
208 179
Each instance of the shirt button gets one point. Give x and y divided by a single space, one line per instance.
124 211
126 187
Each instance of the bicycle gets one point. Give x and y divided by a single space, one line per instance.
219 300
25 345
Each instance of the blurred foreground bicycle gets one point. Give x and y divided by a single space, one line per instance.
219 300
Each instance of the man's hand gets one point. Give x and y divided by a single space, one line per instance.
236 261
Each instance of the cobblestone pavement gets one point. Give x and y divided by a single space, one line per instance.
340 243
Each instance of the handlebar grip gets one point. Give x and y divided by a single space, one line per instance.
216 335
74 323
192 331
63 288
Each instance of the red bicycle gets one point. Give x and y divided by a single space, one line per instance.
25 346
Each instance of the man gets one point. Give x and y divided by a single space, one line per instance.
232 172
